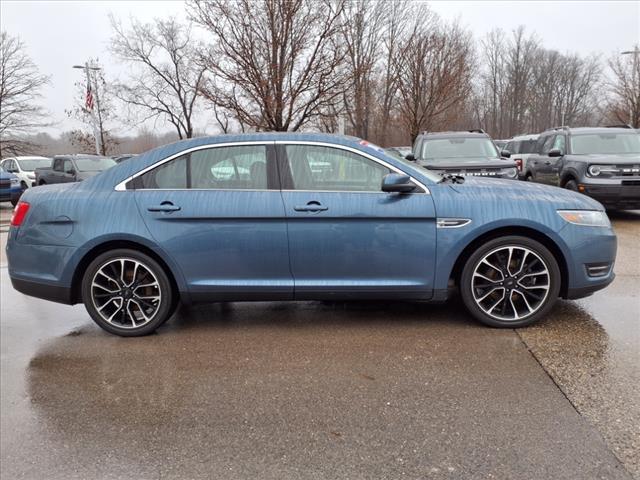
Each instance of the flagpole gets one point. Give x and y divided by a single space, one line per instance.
94 118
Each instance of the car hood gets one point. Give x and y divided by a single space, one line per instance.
611 159
467 163
512 191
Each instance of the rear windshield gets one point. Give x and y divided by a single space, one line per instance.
605 143
447 148
97 164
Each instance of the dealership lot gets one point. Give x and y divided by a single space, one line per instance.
326 390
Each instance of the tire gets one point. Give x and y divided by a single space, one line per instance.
14 201
23 185
571 185
514 296
528 178
111 291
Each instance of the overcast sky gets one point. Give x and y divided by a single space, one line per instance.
61 34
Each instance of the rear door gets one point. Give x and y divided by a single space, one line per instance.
539 162
347 238
218 211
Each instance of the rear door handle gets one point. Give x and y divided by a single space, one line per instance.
312 206
164 207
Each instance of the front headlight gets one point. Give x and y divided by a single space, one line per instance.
31 176
589 218
510 172
604 170
15 182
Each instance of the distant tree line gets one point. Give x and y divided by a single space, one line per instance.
383 71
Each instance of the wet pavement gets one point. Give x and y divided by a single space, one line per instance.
326 390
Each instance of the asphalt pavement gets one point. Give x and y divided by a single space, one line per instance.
326 390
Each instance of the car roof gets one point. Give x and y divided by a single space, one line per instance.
531 136
591 130
78 155
462 134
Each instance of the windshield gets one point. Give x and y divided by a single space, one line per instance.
29 165
457 147
605 143
94 164
408 167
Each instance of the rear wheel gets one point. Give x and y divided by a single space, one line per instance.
127 293
510 282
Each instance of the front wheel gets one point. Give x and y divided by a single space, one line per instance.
510 282
127 293
571 185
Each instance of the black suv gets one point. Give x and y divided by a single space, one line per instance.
468 153
602 162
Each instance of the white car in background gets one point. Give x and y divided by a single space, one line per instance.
521 148
24 168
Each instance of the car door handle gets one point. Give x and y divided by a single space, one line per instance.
164 207
547 162
312 206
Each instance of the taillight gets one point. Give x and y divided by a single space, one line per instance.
519 163
19 213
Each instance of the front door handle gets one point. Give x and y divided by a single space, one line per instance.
312 206
164 207
547 163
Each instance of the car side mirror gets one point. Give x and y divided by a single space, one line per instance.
397 183
71 171
505 154
555 152
410 156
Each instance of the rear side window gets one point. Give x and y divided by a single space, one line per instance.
223 168
528 146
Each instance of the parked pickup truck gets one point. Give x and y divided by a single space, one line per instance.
72 168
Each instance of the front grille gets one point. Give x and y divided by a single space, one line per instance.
476 173
598 269
631 182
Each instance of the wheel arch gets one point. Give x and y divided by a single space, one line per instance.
105 246
567 176
528 232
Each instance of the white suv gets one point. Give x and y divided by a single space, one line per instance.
24 168
521 148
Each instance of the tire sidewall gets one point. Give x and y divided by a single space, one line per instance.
514 240
167 303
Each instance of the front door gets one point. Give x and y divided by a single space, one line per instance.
218 212
347 238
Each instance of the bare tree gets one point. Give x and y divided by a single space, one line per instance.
437 63
273 64
166 79
99 117
20 85
624 105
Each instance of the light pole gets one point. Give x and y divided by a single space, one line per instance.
97 130
635 53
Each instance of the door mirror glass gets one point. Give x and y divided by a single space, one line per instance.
398 183
555 152
505 154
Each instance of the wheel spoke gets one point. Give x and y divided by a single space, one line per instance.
484 277
526 302
515 310
489 293
485 261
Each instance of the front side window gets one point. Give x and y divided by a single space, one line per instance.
458 147
332 169
68 166
230 168
558 143
545 144
605 143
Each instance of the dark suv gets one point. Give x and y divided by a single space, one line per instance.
602 162
465 153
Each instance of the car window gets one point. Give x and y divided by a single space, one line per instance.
544 144
57 164
417 148
241 168
605 143
332 169
559 143
237 168
527 146
458 147
67 165
512 147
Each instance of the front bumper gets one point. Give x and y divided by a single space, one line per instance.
613 193
11 194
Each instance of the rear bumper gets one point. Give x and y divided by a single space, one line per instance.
614 195
54 293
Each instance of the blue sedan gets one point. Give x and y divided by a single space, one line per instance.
285 216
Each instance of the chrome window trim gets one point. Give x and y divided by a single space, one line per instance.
121 187
357 152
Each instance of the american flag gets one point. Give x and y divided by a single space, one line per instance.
88 99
